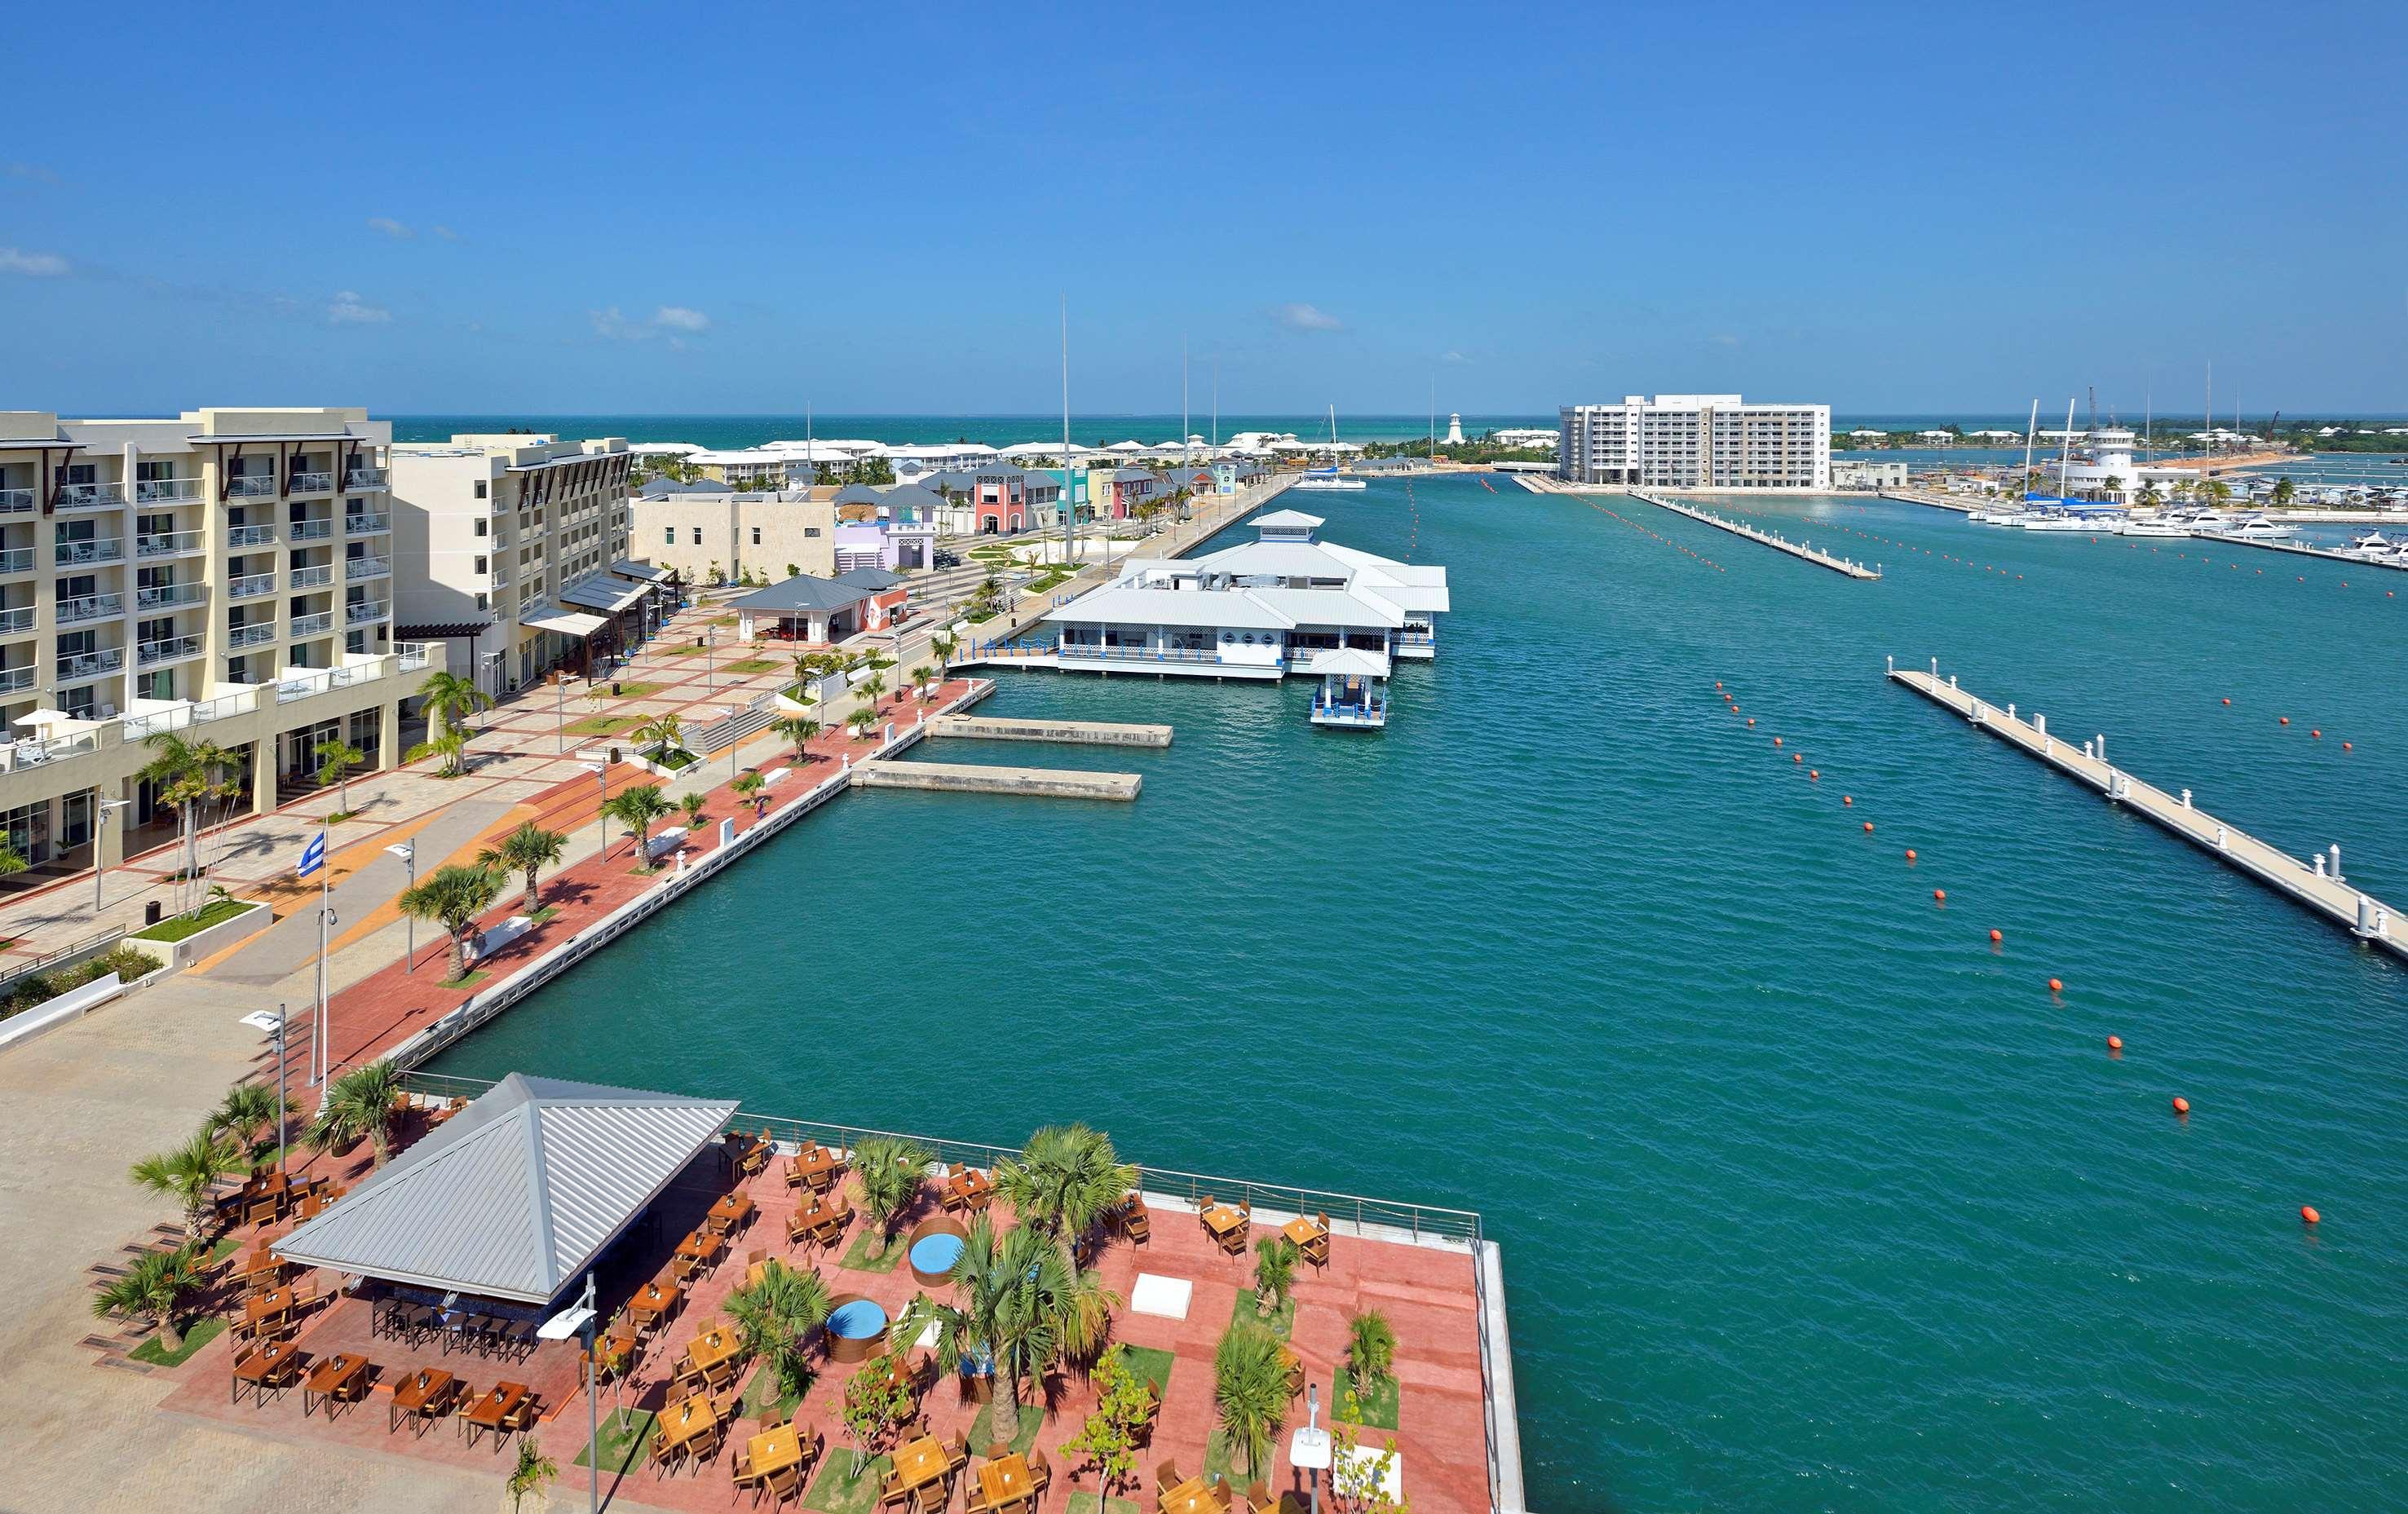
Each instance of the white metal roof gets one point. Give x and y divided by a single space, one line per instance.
1288 521
1351 661
1239 609
601 591
544 616
1330 607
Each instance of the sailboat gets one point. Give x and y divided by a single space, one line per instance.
1327 479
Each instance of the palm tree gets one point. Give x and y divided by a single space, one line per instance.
454 898
752 788
528 851
665 732
942 646
692 804
862 720
1274 1274
450 743
2217 491
449 699
1066 1179
245 1108
185 776
1370 1349
922 677
12 859
154 1287
636 808
871 688
776 1316
886 1172
1250 1390
362 1105
1020 1305
798 729
2285 491
187 1172
336 760
532 1475
2149 495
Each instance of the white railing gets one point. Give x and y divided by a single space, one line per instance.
167 596
137 727
17 560
17 754
91 664
255 634
250 486
311 483
367 523
410 655
366 567
91 608
16 623
166 649
167 543
16 680
100 550
365 478
91 496
166 490
311 528
333 677
16 501
304 626
250 536
313 578
252 585
363 612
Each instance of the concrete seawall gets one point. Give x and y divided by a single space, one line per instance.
1077 732
959 777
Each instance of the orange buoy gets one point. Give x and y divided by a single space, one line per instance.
2054 986
1941 894
2308 1215
1910 854
1813 774
2314 733
1776 741
1750 719
1718 683
1996 938
2114 1043
2285 719
1794 758
2182 1106
1848 798
2228 701
1868 825
2344 746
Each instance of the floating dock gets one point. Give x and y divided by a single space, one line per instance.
1780 544
978 777
2345 559
1936 501
1076 732
2320 886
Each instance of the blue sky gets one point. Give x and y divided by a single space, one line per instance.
725 209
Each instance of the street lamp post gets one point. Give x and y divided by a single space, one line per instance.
578 1321
408 856
109 808
1309 1451
601 772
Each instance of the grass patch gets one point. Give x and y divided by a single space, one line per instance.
681 652
1376 1412
675 759
636 691
983 1428
223 1249
1152 1365
602 725
760 1400
1220 1459
201 1334
839 1489
1247 1308
871 1251
626 1438
1085 1503
341 815
722 619
755 664
544 914
180 926
475 975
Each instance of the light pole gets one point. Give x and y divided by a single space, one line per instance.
1309 1451
578 1321
601 771
279 1088
109 808
408 856
559 713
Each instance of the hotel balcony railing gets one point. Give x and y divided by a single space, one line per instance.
97 664
309 483
17 622
91 608
242 537
367 523
100 550
16 501
251 486
366 612
17 560
365 478
410 656
306 626
91 496
252 585
313 578
16 680
167 543
166 490
318 683
256 634
368 568
1416 639
315 528
170 596
1137 654
166 649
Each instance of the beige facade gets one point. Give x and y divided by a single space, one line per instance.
773 536
517 535
225 573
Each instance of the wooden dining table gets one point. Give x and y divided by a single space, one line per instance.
731 1211
969 1185
713 1344
1301 1231
813 1167
274 1303
688 1422
702 1246
1221 1220
493 1406
1007 1481
772 1451
1194 1496
654 1300
261 1369
421 1394
339 1376
923 1461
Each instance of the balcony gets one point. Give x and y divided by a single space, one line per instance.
309 483
252 585
368 568
166 490
17 560
312 528
251 486
101 549
366 612
239 537
258 634
91 608
16 623
168 544
166 649
170 596
85 666
367 523
358 479
16 680
16 501
313 578
306 626
91 496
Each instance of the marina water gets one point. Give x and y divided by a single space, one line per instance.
1808 1196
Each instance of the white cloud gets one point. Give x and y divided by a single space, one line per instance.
1453 356
35 265
612 325
348 310
1302 317
447 234
680 317
676 321
391 227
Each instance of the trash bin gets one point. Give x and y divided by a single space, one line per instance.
614 686
151 912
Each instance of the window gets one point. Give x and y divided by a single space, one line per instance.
756 536
481 568
810 530
481 525
480 489
669 535
697 536
483 600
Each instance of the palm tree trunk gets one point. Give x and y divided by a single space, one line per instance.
535 894
1006 1405
459 954
194 1213
171 1339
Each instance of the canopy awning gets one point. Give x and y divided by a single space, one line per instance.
544 616
604 593
1351 661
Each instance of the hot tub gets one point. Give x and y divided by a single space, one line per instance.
856 1327
936 1244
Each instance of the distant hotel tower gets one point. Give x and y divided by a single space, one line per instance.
1698 441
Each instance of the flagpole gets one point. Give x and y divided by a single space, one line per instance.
325 913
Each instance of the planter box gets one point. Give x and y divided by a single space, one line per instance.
72 1005
178 955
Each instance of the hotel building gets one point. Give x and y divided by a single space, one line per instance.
518 546
693 530
1697 441
225 574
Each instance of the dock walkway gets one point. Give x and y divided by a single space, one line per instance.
960 777
2320 886
2293 546
1849 566
1077 732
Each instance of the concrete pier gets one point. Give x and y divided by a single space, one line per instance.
2298 549
2318 887
1780 544
1076 732
978 778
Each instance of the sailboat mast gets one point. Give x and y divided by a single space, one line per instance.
2064 452
1184 456
1069 500
2024 485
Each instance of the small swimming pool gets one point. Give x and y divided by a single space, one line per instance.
860 1319
934 1255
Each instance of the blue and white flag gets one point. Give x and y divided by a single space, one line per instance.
313 856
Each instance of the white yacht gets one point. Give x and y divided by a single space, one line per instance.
2262 527
2165 523
2375 543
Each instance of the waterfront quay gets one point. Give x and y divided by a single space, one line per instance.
2319 886
1847 567
2303 550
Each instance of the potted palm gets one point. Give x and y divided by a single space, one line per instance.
1250 1396
454 898
188 1172
1020 1307
887 1171
364 1103
526 851
776 1316
154 1288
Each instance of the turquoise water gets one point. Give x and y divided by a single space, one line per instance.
936 1253
1809 1197
857 1321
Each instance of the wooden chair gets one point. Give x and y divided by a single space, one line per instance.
957 1450
1166 1476
1041 1472
1316 1251
893 1492
521 1419
741 1471
1136 1224
974 1500
782 1485
664 1456
705 1447
1203 1207
1259 1496
932 1497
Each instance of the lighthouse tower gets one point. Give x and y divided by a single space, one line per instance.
1455 430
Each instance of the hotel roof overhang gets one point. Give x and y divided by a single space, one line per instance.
1331 607
546 617
1210 610
566 460
515 1195
441 630
288 437
598 592
1352 662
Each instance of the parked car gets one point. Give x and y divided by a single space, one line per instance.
945 560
